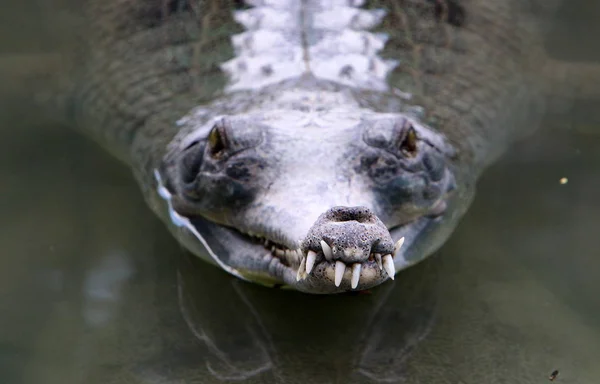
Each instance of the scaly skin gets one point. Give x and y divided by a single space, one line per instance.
476 68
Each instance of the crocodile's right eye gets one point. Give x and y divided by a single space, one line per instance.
217 142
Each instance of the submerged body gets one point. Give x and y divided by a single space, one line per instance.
299 143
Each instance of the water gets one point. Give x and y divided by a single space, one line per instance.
94 290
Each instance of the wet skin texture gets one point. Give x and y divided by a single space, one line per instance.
240 161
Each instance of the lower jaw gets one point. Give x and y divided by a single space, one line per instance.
322 279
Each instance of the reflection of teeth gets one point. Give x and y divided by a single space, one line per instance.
311 257
397 246
388 265
340 268
355 275
300 273
326 250
378 260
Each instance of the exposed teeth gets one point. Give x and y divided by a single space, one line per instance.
311 257
355 275
378 260
279 252
388 265
300 274
326 250
340 268
397 246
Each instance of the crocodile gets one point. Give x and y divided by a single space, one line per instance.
317 145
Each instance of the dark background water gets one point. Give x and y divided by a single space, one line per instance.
94 290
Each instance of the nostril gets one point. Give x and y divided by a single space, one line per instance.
360 214
349 234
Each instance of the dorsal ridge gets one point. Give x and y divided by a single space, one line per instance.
329 39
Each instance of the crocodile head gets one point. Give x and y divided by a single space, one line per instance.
320 201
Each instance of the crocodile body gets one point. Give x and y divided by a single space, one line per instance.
261 131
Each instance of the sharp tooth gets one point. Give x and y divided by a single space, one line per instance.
311 257
279 252
355 275
266 243
340 268
326 250
388 265
398 245
272 248
299 275
378 260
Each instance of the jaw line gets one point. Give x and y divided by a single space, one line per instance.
419 244
183 222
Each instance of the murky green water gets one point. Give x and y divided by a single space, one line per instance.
94 290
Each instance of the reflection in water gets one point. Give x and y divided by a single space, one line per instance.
244 343
250 331
102 288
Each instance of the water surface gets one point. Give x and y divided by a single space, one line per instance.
93 289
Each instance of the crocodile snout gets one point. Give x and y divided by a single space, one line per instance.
348 237
352 233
